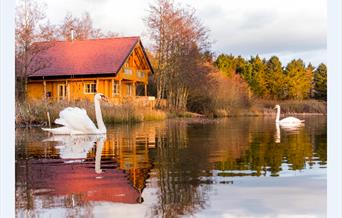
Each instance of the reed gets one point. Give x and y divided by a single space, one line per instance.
309 106
35 113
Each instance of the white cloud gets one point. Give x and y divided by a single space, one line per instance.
245 27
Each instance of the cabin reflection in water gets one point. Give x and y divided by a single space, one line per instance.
130 146
175 165
81 169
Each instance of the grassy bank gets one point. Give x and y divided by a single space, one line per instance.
261 107
35 113
292 106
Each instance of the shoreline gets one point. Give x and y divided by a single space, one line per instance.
194 118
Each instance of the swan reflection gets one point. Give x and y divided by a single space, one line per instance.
277 135
290 130
76 147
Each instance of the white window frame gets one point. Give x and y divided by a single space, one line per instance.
61 96
116 88
129 89
85 88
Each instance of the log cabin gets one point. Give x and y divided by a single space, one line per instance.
78 69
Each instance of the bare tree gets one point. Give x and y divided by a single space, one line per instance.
178 39
30 24
83 28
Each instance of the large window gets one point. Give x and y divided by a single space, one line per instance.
116 88
127 70
90 87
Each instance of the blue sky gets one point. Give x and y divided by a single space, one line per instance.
286 28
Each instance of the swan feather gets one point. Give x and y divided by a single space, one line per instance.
76 119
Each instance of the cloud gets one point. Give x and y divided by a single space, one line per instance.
245 27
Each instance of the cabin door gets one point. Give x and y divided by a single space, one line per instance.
61 91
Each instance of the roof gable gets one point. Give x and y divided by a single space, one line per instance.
86 57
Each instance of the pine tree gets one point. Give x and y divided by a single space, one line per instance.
320 82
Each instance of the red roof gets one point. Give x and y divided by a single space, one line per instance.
86 57
55 178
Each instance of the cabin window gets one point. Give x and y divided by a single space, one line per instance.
116 88
128 71
129 89
90 88
141 74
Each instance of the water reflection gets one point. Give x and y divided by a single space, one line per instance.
167 169
73 147
287 129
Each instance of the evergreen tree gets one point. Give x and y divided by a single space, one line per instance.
274 77
297 83
320 82
226 64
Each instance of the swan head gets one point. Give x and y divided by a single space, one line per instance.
100 97
277 107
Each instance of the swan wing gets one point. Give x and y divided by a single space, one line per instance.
291 120
58 131
77 120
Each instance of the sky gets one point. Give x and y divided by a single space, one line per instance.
286 28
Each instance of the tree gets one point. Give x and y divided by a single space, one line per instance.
82 27
178 41
226 64
320 82
257 80
275 78
30 26
297 81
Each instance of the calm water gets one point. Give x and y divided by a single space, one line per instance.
239 167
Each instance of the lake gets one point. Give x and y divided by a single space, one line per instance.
236 167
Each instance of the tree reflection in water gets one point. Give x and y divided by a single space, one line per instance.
179 164
186 159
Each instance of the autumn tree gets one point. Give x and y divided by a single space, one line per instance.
274 78
178 41
298 82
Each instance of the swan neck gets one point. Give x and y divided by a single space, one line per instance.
99 120
99 147
278 115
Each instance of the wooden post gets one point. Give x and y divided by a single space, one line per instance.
112 88
105 88
48 116
120 90
134 90
145 90
68 89
97 85
44 84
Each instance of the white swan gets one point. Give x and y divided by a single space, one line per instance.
288 121
76 121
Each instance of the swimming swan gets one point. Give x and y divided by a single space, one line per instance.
76 121
288 121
